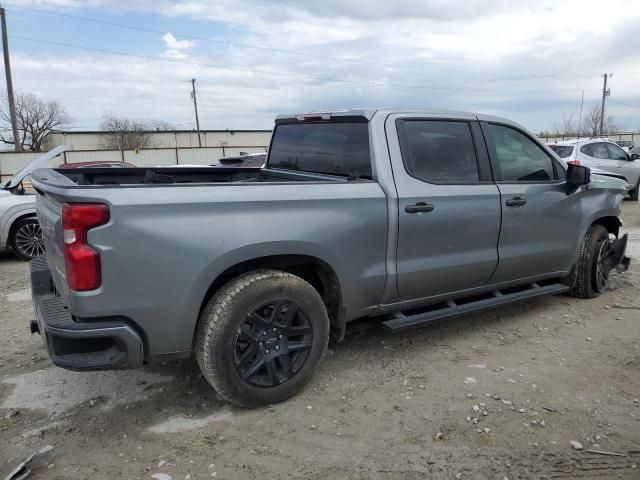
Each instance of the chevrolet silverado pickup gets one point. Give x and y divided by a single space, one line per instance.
404 216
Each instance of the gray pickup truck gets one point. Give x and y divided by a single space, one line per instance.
406 216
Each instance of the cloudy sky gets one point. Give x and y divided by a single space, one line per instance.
526 60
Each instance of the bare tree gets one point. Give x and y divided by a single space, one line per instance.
588 126
591 123
566 127
36 119
161 126
123 133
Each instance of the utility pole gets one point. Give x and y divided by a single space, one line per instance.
605 94
195 106
7 71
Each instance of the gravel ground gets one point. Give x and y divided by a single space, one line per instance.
494 395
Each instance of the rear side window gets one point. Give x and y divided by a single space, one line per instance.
519 158
563 151
336 148
439 151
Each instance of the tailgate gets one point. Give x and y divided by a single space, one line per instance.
49 211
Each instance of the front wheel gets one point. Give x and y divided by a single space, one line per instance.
594 264
26 239
261 337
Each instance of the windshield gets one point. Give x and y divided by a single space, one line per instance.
563 151
337 148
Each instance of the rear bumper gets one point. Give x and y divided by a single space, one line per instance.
96 345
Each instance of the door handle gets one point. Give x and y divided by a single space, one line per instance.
515 202
419 207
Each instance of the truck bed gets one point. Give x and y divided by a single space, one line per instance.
173 175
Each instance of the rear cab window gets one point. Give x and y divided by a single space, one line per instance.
334 148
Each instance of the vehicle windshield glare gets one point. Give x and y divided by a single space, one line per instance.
336 148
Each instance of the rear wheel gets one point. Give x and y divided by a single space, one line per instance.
594 264
261 337
26 239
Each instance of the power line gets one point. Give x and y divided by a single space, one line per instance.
622 103
291 52
279 74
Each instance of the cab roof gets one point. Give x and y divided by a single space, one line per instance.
369 113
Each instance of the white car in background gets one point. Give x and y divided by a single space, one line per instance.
603 154
19 228
626 145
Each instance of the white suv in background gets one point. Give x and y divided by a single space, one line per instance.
601 153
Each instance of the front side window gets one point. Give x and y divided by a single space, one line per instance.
595 150
440 151
519 159
616 153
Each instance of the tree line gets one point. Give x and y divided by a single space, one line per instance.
38 117
587 126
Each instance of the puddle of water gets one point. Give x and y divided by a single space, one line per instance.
23 295
56 390
184 424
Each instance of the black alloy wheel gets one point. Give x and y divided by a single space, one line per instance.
273 343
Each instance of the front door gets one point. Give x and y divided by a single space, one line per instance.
540 222
621 160
448 207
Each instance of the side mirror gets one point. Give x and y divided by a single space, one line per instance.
635 156
577 175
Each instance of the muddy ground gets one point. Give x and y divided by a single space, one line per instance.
382 406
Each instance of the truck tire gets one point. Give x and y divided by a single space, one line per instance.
26 238
633 194
590 279
261 336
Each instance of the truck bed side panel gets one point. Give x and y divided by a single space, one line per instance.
165 245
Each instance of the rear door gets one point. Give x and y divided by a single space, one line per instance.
540 222
596 155
448 206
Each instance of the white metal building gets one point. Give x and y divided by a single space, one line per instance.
178 147
236 139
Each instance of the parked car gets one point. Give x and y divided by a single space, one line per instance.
604 154
626 145
97 164
19 228
407 216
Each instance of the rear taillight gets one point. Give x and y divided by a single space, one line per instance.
81 261
574 162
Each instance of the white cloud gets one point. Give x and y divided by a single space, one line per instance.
176 48
174 44
528 60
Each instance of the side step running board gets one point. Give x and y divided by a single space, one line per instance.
402 322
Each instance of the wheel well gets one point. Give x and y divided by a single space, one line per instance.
612 224
311 269
14 223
